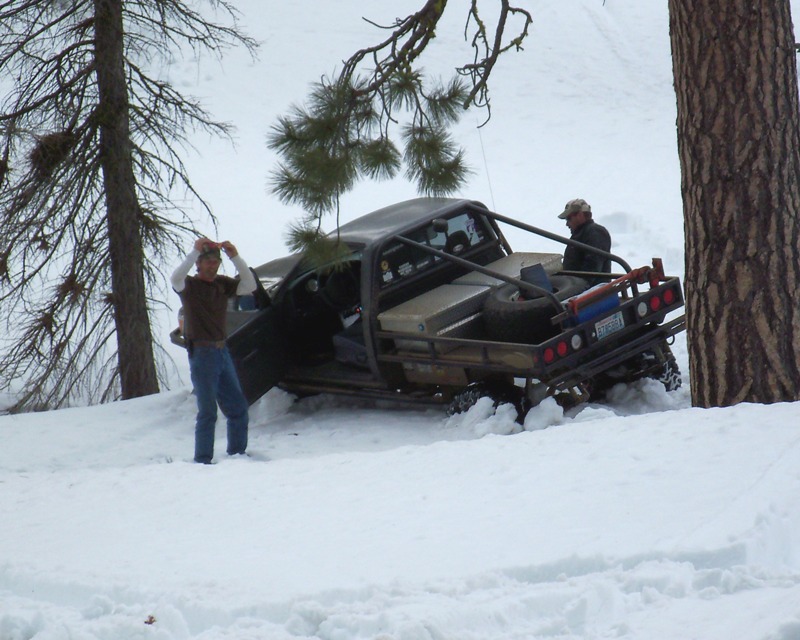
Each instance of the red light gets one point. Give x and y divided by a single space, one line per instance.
549 355
655 303
669 296
561 348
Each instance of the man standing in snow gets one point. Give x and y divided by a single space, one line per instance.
205 302
578 214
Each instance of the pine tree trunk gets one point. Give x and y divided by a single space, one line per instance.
735 70
134 339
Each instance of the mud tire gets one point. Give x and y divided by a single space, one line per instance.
465 399
670 375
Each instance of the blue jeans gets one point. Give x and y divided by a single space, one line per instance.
215 381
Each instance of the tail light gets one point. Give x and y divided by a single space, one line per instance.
562 348
656 302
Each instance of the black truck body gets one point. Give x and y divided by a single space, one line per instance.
427 302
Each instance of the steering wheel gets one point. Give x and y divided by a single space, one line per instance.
341 289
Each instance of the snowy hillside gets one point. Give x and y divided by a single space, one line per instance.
641 518
370 522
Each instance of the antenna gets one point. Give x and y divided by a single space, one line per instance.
486 168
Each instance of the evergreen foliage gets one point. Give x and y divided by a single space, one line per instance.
369 123
340 137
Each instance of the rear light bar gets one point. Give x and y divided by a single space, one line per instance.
562 348
657 302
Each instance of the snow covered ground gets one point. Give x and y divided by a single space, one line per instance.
641 518
395 523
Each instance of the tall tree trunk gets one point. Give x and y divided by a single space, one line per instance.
134 339
739 144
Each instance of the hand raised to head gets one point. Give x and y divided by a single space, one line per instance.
202 243
229 248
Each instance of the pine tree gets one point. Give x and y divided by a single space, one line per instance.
90 160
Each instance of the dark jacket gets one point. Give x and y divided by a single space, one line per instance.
577 259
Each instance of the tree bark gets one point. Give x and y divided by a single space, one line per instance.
135 343
735 71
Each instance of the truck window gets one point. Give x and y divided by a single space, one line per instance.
399 261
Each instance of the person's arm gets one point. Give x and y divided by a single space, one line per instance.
178 277
600 240
247 282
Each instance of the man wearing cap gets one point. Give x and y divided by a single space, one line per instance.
205 303
578 214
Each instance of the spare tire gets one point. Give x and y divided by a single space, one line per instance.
510 318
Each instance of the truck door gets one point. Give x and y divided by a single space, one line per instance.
258 349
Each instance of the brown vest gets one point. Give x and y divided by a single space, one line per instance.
204 307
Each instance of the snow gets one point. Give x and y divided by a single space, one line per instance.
639 518
384 522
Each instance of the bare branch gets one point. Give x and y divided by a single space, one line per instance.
487 53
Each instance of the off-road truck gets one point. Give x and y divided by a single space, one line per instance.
429 303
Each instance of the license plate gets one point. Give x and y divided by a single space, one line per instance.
609 325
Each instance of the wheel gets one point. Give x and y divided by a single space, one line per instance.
670 374
500 393
646 365
509 318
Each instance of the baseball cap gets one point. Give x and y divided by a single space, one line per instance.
575 206
209 251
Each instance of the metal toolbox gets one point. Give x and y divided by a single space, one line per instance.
511 265
449 310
